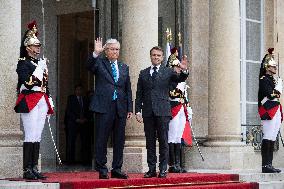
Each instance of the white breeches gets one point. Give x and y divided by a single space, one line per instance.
270 128
34 121
176 127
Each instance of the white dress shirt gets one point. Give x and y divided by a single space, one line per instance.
152 69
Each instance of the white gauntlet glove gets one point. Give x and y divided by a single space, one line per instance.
279 85
42 63
189 112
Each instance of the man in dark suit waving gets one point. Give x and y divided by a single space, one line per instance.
152 97
112 104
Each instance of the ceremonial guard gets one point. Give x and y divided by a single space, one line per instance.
269 107
179 106
34 102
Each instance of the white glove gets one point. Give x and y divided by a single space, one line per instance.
42 63
51 102
279 85
189 112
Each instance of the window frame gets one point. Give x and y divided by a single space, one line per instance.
244 61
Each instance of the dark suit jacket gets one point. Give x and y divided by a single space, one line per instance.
105 86
153 96
73 110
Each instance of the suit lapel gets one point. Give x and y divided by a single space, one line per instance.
148 76
160 72
120 71
76 101
108 68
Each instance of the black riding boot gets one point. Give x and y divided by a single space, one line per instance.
266 157
177 158
171 158
28 161
271 150
36 147
182 160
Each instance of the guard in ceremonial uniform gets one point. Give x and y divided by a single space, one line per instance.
269 108
34 102
179 121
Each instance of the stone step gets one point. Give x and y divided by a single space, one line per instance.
5 184
261 177
265 180
271 185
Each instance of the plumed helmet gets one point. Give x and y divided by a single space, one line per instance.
173 61
268 59
174 50
31 35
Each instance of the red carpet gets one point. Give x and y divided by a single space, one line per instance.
89 180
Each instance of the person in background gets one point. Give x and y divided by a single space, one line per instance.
75 120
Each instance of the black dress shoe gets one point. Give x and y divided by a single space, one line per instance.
28 174
174 169
38 174
150 174
118 174
162 174
103 175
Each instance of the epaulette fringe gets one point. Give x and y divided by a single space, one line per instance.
24 58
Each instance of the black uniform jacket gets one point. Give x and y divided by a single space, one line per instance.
268 98
30 89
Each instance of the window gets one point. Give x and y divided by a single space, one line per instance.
251 20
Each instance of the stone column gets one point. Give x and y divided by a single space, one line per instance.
224 73
10 134
139 35
223 148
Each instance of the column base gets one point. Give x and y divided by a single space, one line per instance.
223 158
11 154
134 159
11 160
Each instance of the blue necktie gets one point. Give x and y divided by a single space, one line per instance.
115 77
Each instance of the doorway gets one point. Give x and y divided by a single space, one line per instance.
75 43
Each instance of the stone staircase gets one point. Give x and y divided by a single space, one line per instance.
266 181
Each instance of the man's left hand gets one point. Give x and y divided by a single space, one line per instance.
129 115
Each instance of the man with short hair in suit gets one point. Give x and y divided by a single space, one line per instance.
152 106
112 104
75 121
